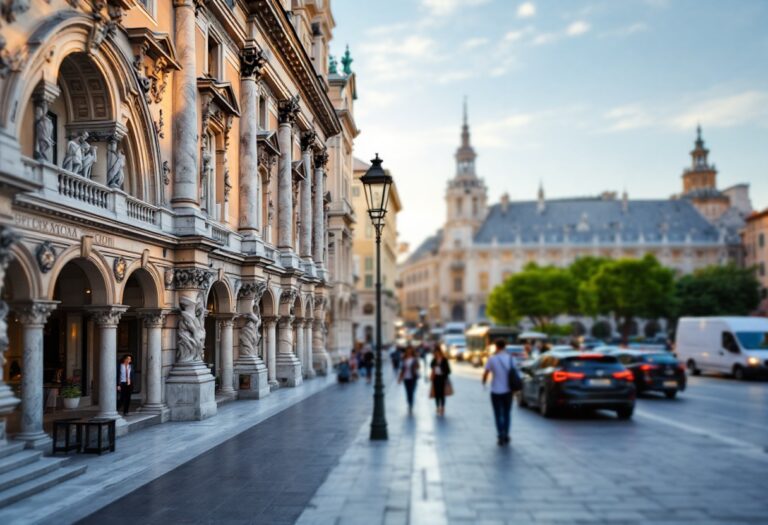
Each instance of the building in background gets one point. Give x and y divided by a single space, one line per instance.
169 174
754 237
450 275
365 260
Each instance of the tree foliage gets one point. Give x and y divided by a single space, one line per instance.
718 290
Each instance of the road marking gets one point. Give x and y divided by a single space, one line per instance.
742 447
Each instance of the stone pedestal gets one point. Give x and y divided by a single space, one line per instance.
190 392
288 366
254 368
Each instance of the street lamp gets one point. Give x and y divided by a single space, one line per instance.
377 183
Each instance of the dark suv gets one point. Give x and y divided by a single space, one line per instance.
562 379
654 371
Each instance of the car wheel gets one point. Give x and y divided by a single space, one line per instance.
544 407
671 394
692 367
521 402
738 372
625 412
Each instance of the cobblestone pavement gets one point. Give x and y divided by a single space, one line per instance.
700 459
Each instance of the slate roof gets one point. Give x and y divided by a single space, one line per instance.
429 247
589 220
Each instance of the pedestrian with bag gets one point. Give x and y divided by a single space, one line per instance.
441 382
409 375
504 383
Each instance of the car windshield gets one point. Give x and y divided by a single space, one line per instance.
753 340
661 359
582 362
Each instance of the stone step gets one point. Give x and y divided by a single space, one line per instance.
39 484
137 421
11 448
19 459
28 472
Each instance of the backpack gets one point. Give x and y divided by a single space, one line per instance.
513 378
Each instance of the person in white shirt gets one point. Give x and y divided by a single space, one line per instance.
498 366
409 375
125 382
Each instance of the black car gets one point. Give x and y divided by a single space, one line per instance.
567 379
654 371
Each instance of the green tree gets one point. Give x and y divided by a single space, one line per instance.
718 290
582 270
539 293
630 288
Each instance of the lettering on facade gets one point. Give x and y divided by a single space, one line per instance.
62 230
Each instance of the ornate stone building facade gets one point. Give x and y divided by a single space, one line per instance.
755 240
167 174
450 275
365 262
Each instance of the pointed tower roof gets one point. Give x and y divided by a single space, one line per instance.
465 154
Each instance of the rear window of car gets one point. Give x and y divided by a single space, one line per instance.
578 362
661 359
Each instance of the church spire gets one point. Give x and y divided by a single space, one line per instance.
465 155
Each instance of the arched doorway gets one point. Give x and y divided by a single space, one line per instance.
218 318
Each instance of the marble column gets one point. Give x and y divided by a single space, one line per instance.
288 110
226 349
288 365
299 336
251 63
270 323
153 403
7 400
310 368
318 220
107 319
32 317
307 142
185 110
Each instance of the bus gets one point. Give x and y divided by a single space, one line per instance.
480 339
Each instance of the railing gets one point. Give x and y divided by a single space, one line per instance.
220 235
82 189
141 211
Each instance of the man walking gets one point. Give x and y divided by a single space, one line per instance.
125 383
499 365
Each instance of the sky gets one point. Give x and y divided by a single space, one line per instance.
578 96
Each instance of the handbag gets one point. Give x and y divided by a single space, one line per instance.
515 383
448 387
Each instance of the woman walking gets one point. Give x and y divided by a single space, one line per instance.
409 375
440 380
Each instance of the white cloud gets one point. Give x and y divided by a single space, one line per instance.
577 28
514 36
453 76
526 10
733 110
473 43
628 117
448 7
544 38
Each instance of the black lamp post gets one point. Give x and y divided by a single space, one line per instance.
377 183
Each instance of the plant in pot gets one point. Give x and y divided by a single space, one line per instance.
71 393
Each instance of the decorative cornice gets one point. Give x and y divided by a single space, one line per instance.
188 278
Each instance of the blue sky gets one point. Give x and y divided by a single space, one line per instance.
582 96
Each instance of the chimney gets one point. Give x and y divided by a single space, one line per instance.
504 203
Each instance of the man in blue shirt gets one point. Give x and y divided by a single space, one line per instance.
498 366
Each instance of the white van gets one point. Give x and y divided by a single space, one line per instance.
731 345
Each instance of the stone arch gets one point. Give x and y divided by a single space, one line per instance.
148 279
118 95
96 270
220 295
309 306
268 304
22 279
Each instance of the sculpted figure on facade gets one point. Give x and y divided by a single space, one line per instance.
89 158
250 333
191 336
43 132
116 172
73 159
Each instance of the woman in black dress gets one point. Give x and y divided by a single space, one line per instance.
440 370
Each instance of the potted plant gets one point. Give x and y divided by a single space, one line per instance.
71 393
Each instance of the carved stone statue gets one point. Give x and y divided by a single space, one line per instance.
116 172
206 175
43 132
89 158
191 335
73 160
250 335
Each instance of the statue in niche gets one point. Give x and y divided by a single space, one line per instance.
250 333
191 337
43 132
116 171
207 174
89 158
73 160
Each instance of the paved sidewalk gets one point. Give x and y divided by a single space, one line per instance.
148 454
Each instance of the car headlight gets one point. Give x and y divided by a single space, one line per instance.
753 361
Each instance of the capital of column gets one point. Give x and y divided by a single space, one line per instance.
321 158
286 321
107 316
270 321
153 318
225 320
288 109
252 62
308 140
34 313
